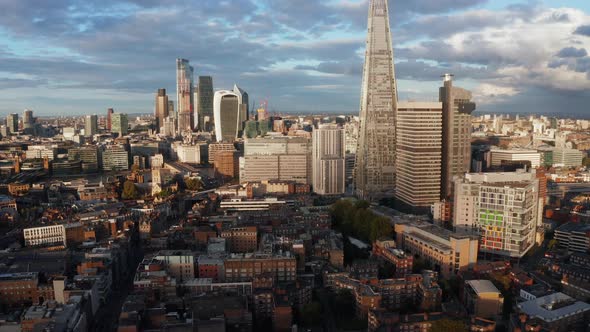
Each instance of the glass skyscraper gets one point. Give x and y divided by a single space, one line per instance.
184 95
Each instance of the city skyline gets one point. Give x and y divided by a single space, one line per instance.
84 58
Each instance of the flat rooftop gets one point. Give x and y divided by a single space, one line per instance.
553 307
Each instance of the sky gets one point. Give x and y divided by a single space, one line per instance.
64 57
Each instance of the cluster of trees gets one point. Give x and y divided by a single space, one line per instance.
355 219
586 161
129 190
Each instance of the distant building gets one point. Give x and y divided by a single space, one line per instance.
12 123
278 158
226 110
161 109
195 154
328 160
119 124
109 125
567 158
554 312
54 235
502 157
204 103
28 122
115 158
184 96
91 125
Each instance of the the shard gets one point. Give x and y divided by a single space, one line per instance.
375 160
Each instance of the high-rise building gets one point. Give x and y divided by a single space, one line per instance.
375 163
28 121
499 207
109 125
244 107
456 153
161 110
226 110
115 158
205 103
91 125
119 124
328 160
12 123
184 95
419 154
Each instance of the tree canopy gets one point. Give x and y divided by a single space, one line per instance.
357 220
129 190
193 184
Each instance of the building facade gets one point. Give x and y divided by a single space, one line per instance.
161 109
205 103
419 154
184 95
501 208
90 125
54 235
226 114
456 152
328 160
375 157
119 124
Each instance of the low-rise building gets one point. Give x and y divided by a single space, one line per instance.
483 299
554 312
54 235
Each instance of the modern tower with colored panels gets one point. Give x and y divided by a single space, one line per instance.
375 159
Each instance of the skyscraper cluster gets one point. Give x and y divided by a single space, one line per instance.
200 107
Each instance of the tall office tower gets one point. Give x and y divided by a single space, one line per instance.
28 121
457 109
244 107
12 123
328 168
205 103
226 110
161 108
110 112
375 163
91 125
501 208
120 124
419 154
184 95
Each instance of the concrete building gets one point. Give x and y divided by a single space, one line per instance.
375 157
195 154
161 109
88 155
41 152
119 124
12 123
243 100
448 252
419 154
555 312
184 96
241 239
501 157
204 103
501 208
227 164
109 124
90 125
456 133
483 299
575 237
328 160
54 235
28 122
179 263
115 158
226 112
567 158
247 266
278 158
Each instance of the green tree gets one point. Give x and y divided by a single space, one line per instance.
193 184
380 227
129 190
552 243
448 325
586 161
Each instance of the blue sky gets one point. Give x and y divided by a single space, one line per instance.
65 57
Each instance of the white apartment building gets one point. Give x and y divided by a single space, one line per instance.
501 156
501 207
54 235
